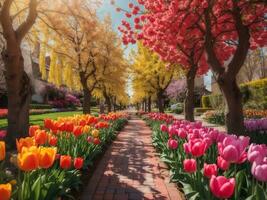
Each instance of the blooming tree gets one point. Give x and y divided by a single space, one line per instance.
219 34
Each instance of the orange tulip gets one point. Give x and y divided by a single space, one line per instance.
5 191
78 130
28 158
2 150
25 142
47 156
49 124
40 137
32 130
53 140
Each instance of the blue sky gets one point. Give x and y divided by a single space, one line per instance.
108 9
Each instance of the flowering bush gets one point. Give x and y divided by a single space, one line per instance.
50 160
210 164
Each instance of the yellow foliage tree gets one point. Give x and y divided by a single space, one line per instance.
151 77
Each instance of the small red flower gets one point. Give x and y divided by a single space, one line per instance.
78 163
65 162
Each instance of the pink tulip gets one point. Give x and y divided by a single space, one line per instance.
210 169
221 187
257 152
233 149
172 131
186 148
197 147
190 165
259 169
222 164
182 133
172 144
163 128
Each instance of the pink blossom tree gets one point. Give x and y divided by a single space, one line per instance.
201 33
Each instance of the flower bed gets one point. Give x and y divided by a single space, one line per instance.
50 160
207 163
255 123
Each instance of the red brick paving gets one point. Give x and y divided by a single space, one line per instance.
131 170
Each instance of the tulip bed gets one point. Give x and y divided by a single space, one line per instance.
51 159
209 164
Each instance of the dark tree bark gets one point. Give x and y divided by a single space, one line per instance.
18 83
189 98
101 107
19 97
160 101
226 75
145 104
86 94
87 100
108 102
149 104
234 118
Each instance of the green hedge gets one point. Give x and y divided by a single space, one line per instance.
254 96
40 106
202 110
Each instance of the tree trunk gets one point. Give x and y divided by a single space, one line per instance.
114 105
189 97
108 102
160 102
101 107
145 105
234 118
86 101
149 104
19 97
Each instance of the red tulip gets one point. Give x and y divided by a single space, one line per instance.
32 130
53 141
222 164
49 124
172 144
190 165
96 141
221 187
210 170
78 163
197 147
163 128
40 137
77 130
65 162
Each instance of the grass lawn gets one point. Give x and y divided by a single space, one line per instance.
38 119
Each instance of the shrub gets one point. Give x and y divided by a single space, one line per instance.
40 106
254 96
202 110
215 117
205 101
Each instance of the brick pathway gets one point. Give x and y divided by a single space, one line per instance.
130 169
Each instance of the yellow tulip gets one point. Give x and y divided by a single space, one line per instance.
47 156
28 158
95 133
86 129
2 150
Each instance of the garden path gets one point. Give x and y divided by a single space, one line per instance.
131 169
